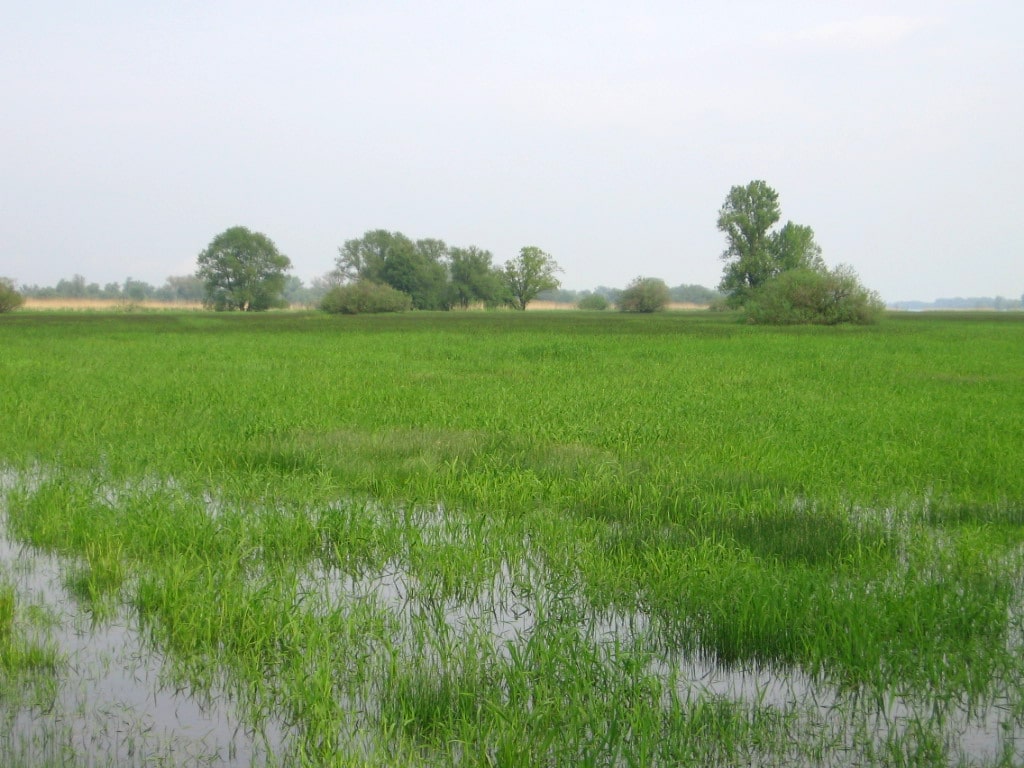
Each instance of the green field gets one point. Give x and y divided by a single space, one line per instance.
516 539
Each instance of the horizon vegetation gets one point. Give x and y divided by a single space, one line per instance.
777 276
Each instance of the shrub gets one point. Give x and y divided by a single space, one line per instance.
10 299
593 301
365 296
645 294
810 296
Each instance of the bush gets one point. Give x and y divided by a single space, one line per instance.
810 296
593 301
10 299
365 296
645 294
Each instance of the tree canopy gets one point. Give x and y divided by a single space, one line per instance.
390 258
10 299
473 278
531 272
434 274
644 294
243 270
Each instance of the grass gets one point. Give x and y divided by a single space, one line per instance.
510 539
19 654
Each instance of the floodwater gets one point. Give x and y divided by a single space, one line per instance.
116 703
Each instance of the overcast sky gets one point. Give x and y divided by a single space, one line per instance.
606 133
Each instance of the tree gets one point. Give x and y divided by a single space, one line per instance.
182 288
793 247
593 302
745 218
644 294
75 288
417 272
531 272
137 290
10 299
473 278
243 270
755 254
363 258
693 294
391 258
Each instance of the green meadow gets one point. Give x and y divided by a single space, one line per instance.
513 539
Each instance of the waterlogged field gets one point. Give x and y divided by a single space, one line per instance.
553 539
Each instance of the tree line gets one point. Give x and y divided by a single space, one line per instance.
773 275
191 289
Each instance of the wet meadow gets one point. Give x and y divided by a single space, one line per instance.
510 539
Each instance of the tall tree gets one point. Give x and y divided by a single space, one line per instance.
754 254
472 277
531 272
363 258
243 270
417 272
745 218
793 247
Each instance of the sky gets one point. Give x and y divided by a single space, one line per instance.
606 133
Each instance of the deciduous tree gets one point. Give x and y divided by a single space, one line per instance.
473 278
10 299
754 253
531 272
644 294
243 270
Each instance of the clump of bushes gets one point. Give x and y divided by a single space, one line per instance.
593 301
814 296
10 299
365 296
644 294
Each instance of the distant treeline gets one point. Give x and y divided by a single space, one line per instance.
183 288
681 294
998 303
189 288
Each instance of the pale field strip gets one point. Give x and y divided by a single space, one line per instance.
106 304
100 305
